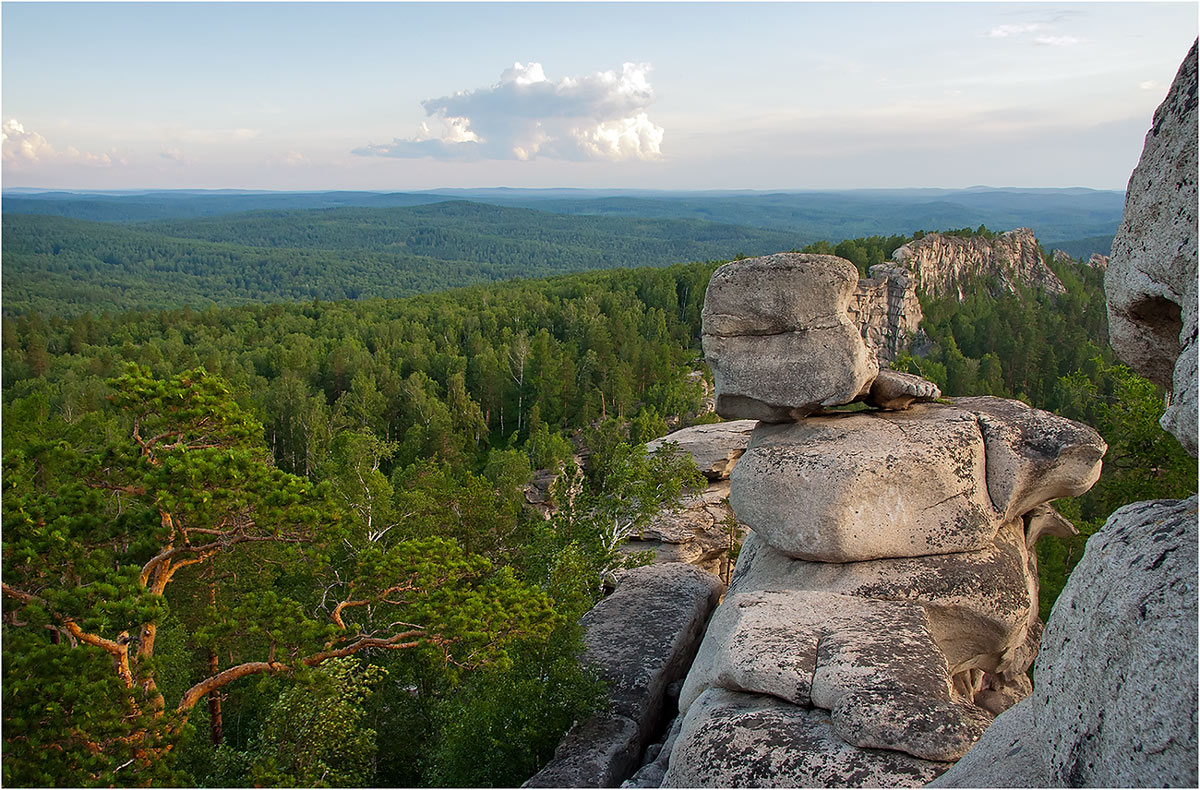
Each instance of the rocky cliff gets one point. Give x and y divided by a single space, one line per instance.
941 265
887 311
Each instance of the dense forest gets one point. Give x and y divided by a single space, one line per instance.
66 266
308 518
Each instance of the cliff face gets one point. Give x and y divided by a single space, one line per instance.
887 311
941 265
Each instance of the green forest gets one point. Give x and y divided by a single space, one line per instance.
285 544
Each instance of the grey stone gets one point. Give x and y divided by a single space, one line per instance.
779 338
729 739
930 728
811 647
887 311
600 751
1151 279
1033 456
895 390
943 265
641 638
980 604
1009 754
1115 690
861 486
714 448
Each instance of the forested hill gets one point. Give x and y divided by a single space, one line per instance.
420 419
65 266
1073 216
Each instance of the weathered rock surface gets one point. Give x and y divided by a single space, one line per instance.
860 486
943 265
701 532
887 311
779 339
1115 702
932 480
729 739
1098 261
1134 723
1033 456
642 638
1151 281
896 391
981 604
714 448
1009 754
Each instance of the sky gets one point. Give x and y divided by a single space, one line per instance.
400 96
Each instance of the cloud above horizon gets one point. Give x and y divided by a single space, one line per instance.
526 116
19 147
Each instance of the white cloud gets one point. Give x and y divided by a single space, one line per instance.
1006 31
526 115
1149 85
20 147
174 154
1056 41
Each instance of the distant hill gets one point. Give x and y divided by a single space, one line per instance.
1053 214
65 266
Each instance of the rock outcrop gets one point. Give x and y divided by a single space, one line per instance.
887 311
642 639
1151 283
884 608
701 531
1116 700
714 448
941 265
782 341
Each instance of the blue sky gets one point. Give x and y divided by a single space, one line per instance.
638 95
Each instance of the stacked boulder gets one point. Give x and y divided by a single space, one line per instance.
884 608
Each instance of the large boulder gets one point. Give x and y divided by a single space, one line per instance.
1151 279
730 739
779 338
935 479
981 604
642 638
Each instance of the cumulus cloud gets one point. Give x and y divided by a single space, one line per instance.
1149 85
527 115
289 159
19 147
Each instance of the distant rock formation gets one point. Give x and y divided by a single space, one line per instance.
887 311
1116 700
942 265
884 609
1098 261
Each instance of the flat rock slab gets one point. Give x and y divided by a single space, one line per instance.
779 338
729 739
714 448
868 485
642 638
